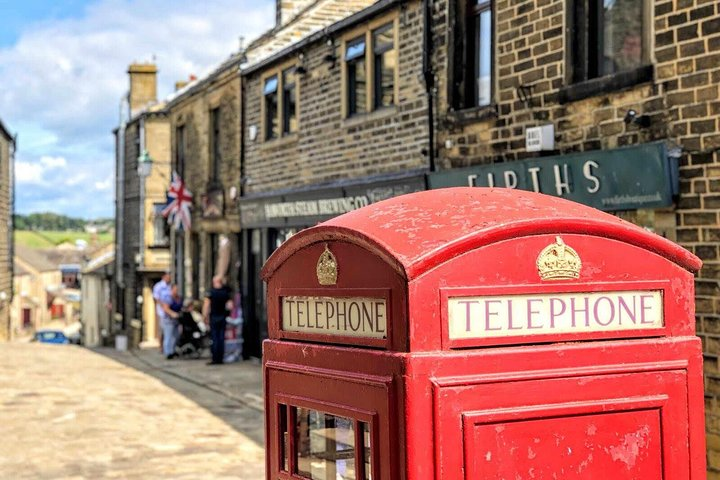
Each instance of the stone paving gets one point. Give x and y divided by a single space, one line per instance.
71 413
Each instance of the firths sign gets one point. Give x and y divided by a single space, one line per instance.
350 317
557 313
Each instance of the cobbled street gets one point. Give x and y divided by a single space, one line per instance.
71 413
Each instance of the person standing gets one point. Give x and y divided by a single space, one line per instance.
218 303
162 293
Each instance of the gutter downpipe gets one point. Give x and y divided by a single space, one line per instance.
120 210
429 77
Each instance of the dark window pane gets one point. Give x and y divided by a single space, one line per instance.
271 108
385 65
289 101
622 35
367 449
325 446
357 86
180 151
284 440
215 143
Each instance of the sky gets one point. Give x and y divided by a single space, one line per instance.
63 72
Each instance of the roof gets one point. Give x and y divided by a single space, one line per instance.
35 259
314 18
18 270
419 231
280 43
317 17
4 130
104 258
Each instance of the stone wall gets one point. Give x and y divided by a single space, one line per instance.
327 146
681 98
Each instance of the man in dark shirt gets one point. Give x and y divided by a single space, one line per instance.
218 303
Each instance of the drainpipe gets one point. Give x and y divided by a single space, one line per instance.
429 77
120 208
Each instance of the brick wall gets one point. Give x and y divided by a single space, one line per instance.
681 100
130 242
329 147
192 110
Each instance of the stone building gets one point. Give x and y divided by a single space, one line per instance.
142 238
205 137
614 104
332 122
7 159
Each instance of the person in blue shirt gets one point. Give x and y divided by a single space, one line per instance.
162 293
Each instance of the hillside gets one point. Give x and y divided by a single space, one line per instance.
52 238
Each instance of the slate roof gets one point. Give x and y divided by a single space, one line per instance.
36 259
318 16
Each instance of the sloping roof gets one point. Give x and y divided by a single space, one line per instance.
18 270
6 132
102 258
318 16
36 259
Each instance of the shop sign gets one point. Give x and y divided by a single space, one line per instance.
348 317
557 313
641 176
322 204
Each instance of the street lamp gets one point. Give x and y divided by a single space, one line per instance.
145 163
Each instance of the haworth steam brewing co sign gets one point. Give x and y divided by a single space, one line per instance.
641 176
306 208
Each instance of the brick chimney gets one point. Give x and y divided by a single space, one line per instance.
285 10
143 85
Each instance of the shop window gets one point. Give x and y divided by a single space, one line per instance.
607 38
370 70
215 153
161 228
325 446
385 65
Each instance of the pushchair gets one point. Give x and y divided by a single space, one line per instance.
193 339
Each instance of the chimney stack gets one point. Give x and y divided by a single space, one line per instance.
143 85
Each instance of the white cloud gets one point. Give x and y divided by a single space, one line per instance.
62 82
53 162
104 184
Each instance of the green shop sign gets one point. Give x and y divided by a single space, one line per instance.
641 176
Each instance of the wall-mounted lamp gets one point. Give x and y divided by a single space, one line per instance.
139 299
330 58
3 297
642 121
145 163
252 132
524 93
300 69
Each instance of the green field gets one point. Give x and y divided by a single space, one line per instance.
49 239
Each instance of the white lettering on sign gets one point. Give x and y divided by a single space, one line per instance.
516 315
352 317
305 208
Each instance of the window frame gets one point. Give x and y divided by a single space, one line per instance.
215 125
578 88
366 31
289 404
157 217
278 72
461 83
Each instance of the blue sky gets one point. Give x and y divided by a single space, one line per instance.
63 71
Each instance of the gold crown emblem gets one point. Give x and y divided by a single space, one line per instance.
558 261
327 268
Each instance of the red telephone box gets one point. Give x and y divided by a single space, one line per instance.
473 333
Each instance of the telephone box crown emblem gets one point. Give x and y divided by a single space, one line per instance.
558 261
327 268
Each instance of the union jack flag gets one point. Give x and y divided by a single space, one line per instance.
177 210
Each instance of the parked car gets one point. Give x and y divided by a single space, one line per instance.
51 336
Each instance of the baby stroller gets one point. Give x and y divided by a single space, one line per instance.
193 339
